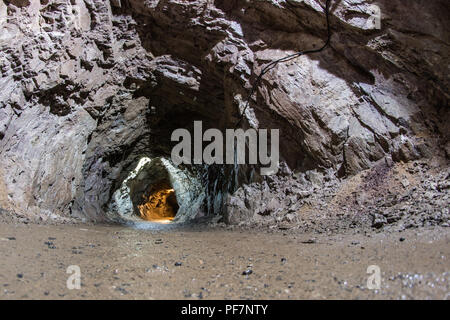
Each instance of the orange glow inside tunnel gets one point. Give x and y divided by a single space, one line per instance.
159 206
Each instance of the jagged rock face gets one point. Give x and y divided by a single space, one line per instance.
89 87
128 202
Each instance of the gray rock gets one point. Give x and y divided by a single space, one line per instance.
85 93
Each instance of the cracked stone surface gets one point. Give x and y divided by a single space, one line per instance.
89 87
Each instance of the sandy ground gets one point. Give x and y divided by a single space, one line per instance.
124 263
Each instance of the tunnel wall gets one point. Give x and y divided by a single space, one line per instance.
89 87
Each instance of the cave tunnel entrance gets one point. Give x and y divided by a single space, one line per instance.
159 203
156 191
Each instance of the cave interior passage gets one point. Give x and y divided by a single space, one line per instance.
159 204
157 191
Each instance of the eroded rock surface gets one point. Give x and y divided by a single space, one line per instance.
89 87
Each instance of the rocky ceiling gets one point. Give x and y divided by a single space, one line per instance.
90 87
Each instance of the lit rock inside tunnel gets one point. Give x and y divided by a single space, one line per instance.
157 192
160 205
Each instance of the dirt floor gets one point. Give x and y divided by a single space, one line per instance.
216 263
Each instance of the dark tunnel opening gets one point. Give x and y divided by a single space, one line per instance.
156 191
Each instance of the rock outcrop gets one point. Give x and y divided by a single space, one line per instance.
89 87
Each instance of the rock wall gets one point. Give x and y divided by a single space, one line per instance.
89 87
